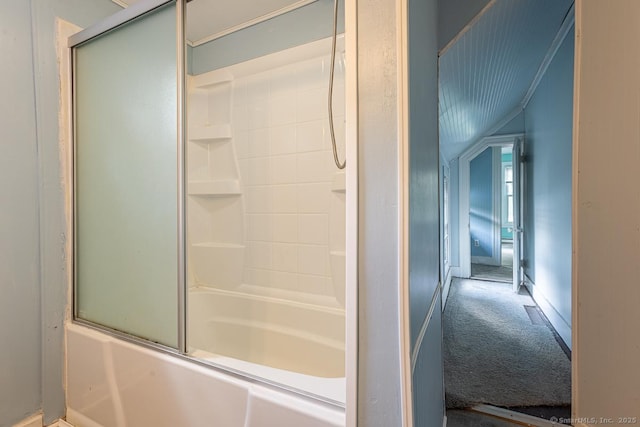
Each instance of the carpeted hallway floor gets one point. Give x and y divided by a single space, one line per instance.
499 273
496 354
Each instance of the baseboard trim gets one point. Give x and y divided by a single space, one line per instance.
31 421
559 324
37 421
517 417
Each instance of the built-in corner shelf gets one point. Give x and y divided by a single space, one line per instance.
210 133
214 78
339 184
218 188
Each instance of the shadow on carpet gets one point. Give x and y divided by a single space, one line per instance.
494 354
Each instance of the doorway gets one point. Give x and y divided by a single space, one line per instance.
491 97
490 214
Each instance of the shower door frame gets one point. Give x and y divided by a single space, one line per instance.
113 22
351 182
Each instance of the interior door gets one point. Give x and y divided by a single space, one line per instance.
128 144
517 213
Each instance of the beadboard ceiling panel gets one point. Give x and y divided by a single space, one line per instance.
486 73
207 19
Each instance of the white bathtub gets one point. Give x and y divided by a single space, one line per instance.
114 383
297 345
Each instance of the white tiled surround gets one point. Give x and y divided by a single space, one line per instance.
288 222
281 128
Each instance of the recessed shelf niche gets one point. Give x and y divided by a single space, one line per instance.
216 237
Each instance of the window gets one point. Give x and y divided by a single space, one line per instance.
446 243
508 193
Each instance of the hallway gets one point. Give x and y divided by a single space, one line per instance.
500 350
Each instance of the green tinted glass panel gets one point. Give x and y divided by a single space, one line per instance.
126 178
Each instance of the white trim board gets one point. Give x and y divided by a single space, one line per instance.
37 421
406 352
423 329
463 205
517 417
30 421
351 211
240 26
555 318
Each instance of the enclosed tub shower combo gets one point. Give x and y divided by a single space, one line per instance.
211 202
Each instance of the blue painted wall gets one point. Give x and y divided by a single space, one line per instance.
428 387
304 25
20 326
33 279
548 149
481 204
515 125
424 218
454 15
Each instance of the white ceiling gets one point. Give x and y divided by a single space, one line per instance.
210 19
486 73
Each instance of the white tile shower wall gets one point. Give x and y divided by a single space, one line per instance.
281 132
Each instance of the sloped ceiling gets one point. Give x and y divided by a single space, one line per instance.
486 72
454 15
207 18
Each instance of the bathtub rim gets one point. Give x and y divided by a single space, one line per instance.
170 351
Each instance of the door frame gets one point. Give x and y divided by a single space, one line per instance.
464 187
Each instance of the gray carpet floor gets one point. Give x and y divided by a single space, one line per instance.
495 354
492 272
500 273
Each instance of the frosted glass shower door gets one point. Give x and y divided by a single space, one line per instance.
127 176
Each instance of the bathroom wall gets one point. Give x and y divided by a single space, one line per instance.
20 326
33 280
